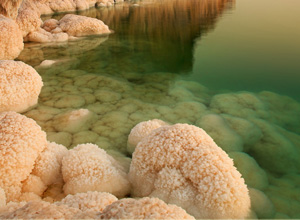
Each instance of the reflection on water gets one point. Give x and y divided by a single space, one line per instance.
157 37
139 73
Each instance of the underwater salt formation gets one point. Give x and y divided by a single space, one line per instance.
11 40
20 86
145 208
182 165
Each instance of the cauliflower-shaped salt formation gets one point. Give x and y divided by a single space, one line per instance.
76 25
89 168
2 198
90 201
20 86
47 169
28 21
145 208
48 164
41 210
11 39
21 141
182 165
142 130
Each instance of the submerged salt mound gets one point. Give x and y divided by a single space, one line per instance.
20 86
278 150
21 141
253 174
89 168
242 104
75 25
225 137
261 204
182 165
145 208
11 39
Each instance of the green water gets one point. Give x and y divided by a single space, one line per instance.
230 67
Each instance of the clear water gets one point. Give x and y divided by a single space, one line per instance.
230 67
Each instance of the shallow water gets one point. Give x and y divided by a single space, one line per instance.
210 63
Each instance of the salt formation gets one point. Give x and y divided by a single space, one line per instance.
145 208
28 19
261 204
75 25
47 168
2 198
50 7
68 27
21 142
11 40
142 130
89 168
221 132
20 86
90 201
182 165
253 174
9 8
40 210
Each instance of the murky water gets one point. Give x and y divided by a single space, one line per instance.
225 66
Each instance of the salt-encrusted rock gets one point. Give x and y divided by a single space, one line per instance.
89 168
11 39
75 25
182 165
21 141
43 36
9 8
20 86
28 21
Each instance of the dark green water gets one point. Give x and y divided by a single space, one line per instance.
230 67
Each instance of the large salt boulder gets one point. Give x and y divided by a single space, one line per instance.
75 25
182 165
11 39
20 86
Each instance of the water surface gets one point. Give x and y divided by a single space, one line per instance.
230 67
